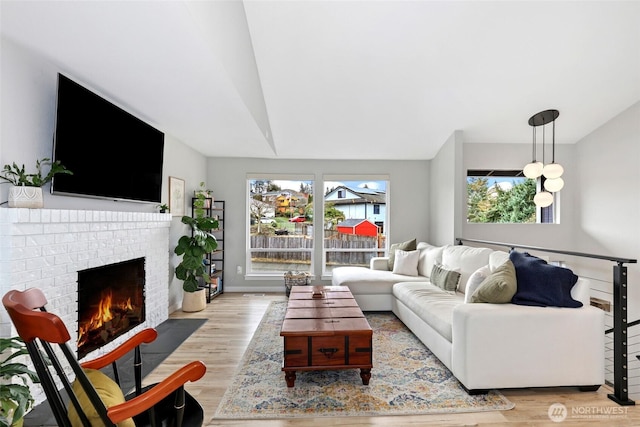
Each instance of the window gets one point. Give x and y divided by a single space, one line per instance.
280 224
504 196
354 218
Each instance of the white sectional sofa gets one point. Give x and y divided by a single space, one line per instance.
486 345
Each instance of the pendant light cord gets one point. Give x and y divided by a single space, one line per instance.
534 158
553 142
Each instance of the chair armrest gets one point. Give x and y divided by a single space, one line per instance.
379 263
190 372
145 336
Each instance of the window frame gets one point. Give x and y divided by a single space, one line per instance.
260 274
542 214
326 274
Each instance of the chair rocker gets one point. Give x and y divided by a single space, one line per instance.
162 404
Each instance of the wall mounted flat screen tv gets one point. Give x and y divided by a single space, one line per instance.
112 154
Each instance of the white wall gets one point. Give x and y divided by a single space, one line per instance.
408 208
607 209
445 184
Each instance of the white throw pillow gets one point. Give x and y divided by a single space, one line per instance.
423 248
406 262
429 256
474 281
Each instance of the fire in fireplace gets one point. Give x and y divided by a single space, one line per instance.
111 301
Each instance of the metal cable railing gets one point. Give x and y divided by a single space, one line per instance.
620 323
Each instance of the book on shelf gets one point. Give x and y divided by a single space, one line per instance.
216 284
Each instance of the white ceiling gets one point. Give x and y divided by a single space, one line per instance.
344 79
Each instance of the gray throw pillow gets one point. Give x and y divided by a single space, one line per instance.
409 245
444 278
499 287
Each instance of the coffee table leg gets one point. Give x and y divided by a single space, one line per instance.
290 377
365 374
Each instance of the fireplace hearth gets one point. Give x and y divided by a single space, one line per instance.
111 302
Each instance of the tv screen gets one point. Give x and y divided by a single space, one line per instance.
112 154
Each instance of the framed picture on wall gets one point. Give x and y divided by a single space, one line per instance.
176 196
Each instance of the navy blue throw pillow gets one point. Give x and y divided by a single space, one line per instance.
541 284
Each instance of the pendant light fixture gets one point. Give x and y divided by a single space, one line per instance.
553 171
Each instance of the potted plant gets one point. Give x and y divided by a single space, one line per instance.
163 208
193 248
27 187
15 399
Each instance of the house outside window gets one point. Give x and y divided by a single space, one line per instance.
279 224
504 196
354 218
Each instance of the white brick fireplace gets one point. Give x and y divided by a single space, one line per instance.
45 248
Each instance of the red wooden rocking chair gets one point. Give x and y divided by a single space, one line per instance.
162 404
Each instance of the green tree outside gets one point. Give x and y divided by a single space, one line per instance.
496 205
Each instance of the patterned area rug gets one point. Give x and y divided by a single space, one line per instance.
406 379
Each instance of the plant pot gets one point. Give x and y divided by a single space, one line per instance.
25 197
194 301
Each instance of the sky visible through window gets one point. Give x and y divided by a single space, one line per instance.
504 182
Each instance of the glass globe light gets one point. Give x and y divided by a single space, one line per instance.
543 199
554 184
553 170
533 170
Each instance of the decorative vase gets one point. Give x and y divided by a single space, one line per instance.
25 197
194 301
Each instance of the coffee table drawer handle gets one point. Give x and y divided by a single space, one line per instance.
328 352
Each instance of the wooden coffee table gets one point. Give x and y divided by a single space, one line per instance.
324 329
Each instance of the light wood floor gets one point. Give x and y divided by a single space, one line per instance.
233 318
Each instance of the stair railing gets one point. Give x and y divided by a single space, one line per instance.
620 393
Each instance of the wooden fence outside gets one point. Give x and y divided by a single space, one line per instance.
332 240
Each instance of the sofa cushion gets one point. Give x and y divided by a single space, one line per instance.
444 278
499 287
466 259
497 258
362 280
409 245
541 284
430 303
429 256
406 262
475 280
